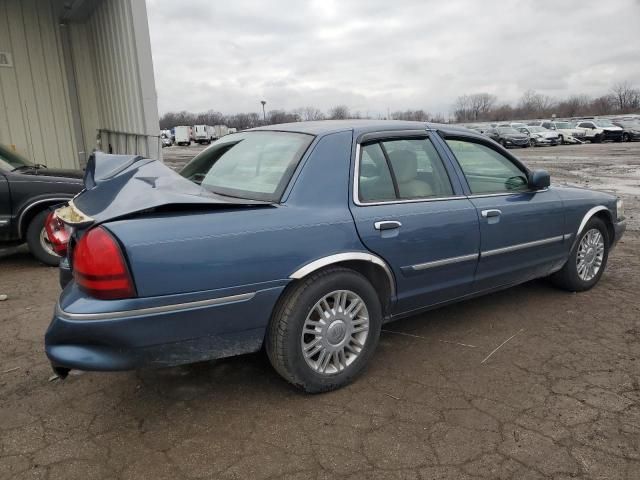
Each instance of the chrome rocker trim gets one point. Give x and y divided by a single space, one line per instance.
445 261
521 246
176 307
345 257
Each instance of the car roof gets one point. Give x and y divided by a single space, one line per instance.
359 127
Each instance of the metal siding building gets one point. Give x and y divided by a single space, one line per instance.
78 75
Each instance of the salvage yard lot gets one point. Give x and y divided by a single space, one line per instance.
561 399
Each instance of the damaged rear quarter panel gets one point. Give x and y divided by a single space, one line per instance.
186 252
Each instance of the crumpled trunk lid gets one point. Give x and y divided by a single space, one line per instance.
120 185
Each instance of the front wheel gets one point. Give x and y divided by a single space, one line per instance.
587 259
626 137
39 244
561 140
325 330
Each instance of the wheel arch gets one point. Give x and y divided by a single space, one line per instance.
372 267
32 209
602 213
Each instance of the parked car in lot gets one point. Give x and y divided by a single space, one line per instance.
630 129
27 191
508 137
600 130
305 238
567 131
539 136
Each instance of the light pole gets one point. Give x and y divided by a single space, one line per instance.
264 115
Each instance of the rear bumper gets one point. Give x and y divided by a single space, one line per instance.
90 338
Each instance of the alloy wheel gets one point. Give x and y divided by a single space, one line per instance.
335 332
590 255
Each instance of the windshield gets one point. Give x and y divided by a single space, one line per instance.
10 160
534 129
253 165
563 125
603 123
507 130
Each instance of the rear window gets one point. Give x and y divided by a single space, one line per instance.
253 165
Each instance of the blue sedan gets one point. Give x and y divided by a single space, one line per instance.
304 239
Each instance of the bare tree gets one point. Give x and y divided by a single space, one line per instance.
280 116
411 115
339 112
602 105
626 97
307 114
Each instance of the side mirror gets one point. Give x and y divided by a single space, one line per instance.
539 179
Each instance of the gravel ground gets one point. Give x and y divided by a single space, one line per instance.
560 399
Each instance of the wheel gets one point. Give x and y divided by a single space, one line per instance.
626 137
324 330
532 142
561 139
599 138
39 243
587 259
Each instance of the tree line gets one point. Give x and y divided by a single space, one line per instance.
622 98
242 121
476 107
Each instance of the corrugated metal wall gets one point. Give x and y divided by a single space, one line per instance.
122 77
110 60
34 101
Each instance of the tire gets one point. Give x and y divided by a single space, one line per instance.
561 139
285 339
599 138
532 143
569 278
38 244
626 137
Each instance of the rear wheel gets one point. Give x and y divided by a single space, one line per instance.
325 330
587 259
39 243
626 137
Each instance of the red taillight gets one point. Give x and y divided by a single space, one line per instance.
58 233
99 267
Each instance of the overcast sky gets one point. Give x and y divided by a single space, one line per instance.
374 55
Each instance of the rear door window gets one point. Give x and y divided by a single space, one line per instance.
405 169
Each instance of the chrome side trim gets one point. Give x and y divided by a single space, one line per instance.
345 257
588 215
38 202
521 246
176 307
567 236
445 261
4 222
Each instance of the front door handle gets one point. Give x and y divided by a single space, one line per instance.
491 213
387 225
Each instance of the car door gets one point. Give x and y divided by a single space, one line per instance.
522 232
410 209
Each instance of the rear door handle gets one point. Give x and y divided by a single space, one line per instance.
490 213
387 225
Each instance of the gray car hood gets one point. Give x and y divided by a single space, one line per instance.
119 185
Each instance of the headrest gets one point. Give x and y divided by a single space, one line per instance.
405 165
